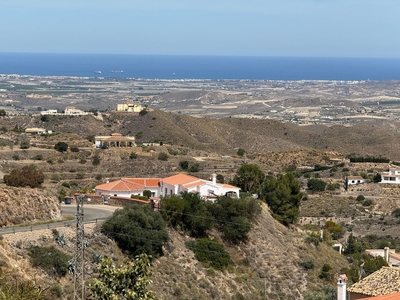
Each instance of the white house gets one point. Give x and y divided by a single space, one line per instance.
392 177
173 185
126 187
354 180
72 111
129 107
38 131
114 140
209 190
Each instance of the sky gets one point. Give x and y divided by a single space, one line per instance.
311 28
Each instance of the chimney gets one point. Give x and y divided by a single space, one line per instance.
386 254
342 287
214 178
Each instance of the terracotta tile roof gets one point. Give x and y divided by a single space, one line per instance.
180 178
382 282
129 184
228 186
395 296
199 182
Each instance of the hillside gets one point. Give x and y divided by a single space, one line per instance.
224 135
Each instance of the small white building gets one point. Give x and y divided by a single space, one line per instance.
354 180
129 107
210 190
49 112
114 140
37 131
72 111
392 177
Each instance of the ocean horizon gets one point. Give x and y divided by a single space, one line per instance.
199 67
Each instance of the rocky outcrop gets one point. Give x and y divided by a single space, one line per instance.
25 205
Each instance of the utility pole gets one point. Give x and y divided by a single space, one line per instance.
79 261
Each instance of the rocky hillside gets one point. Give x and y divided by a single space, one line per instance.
24 205
224 135
266 267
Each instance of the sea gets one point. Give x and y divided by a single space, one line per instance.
200 67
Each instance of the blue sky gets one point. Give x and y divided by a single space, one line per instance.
327 28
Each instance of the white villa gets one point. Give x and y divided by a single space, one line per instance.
129 107
173 185
392 177
114 140
354 180
37 131
72 111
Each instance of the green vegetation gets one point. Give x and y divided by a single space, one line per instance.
129 281
137 229
3 113
27 176
370 159
326 272
163 156
316 185
360 198
24 142
307 264
20 290
211 253
184 165
396 213
377 178
147 194
326 293
61 147
188 212
133 155
45 118
96 160
241 152
53 261
336 231
194 168
282 193
249 178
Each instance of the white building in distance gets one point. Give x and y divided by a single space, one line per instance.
392 177
129 107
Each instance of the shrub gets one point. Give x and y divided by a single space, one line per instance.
184 164
316 185
24 142
27 176
372 264
307 264
137 229
133 155
163 156
313 239
61 146
326 272
74 149
82 161
187 212
333 186
15 157
194 168
147 193
2 113
53 261
377 178
220 178
38 157
211 253
396 213
96 160
44 118
240 152
143 112
234 216
360 198
368 202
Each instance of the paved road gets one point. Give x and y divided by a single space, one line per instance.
93 214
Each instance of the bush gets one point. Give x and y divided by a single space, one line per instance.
336 230
74 149
211 253
187 212
333 186
38 157
377 178
360 198
234 216
137 229
96 160
396 213
132 155
44 118
316 185
194 168
147 193
163 156
61 146
313 239
307 264
184 164
27 176
326 272
53 261
240 152
368 202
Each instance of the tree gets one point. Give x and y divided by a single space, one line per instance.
129 281
283 196
377 178
2 113
240 152
316 185
220 178
24 143
184 164
27 176
334 229
61 146
249 178
147 193
44 118
137 229
163 156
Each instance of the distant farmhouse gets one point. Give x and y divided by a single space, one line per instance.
69 111
129 107
162 187
392 177
114 140
354 180
37 131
